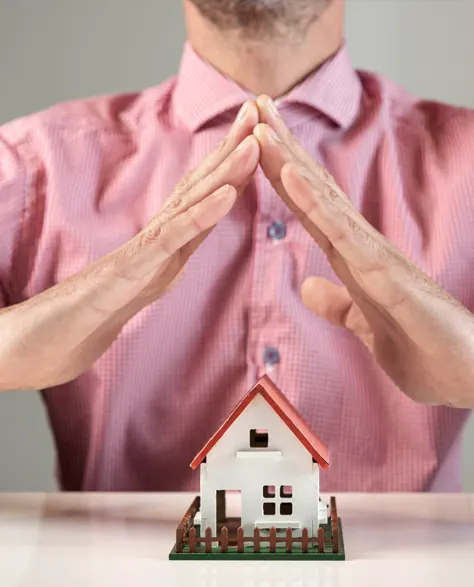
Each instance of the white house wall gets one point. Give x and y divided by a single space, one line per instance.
224 471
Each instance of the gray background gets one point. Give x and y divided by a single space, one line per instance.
55 50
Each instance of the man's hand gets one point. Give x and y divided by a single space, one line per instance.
156 256
55 336
421 336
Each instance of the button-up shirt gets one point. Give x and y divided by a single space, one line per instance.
80 179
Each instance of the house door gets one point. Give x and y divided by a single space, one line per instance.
228 510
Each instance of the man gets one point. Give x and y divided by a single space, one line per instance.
144 305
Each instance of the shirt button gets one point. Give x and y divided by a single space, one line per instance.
277 230
271 356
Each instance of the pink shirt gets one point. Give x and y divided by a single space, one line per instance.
80 179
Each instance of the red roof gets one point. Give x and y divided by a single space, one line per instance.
268 390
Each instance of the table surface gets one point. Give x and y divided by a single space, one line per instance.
117 540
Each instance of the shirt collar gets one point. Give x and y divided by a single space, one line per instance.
202 93
334 90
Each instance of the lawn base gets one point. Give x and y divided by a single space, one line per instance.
264 553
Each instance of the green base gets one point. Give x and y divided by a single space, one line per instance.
265 553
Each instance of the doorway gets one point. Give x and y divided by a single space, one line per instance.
229 510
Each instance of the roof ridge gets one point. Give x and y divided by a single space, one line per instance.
285 410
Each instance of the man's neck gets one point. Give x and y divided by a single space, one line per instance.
270 67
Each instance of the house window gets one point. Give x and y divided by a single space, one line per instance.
286 491
286 508
269 491
269 508
258 438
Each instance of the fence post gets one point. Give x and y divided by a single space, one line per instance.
186 523
335 539
334 526
304 540
256 540
321 539
208 539
188 517
179 540
289 540
192 539
273 536
240 539
224 539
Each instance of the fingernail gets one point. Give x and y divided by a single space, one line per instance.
222 191
272 107
272 135
242 112
243 144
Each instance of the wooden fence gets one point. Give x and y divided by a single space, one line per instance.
186 535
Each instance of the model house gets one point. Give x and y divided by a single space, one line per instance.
265 454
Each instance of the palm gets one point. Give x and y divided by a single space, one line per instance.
365 306
352 307
419 334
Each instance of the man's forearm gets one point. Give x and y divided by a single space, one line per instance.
55 336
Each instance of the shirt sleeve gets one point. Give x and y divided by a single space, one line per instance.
13 181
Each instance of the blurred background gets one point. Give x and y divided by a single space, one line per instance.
56 50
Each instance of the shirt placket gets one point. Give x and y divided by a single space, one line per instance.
266 325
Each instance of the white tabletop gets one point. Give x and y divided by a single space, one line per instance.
116 540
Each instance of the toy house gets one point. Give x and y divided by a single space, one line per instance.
266 459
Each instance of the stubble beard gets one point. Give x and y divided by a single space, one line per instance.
263 19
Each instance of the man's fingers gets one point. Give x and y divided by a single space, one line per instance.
147 253
324 209
194 222
274 153
243 126
234 172
269 115
274 156
201 209
321 206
